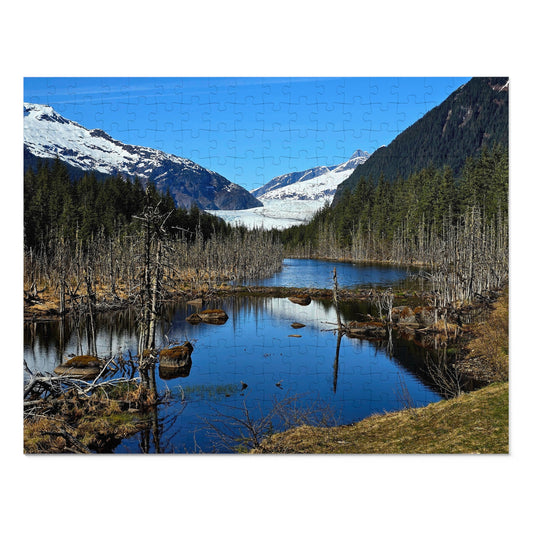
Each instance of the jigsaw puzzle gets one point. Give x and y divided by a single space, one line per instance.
265 265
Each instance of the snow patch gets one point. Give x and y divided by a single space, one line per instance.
89 149
274 214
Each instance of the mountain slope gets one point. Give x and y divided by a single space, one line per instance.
313 184
48 135
289 179
475 115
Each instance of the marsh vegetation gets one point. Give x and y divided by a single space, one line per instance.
160 275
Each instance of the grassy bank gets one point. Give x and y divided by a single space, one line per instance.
477 422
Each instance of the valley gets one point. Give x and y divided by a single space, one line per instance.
215 315
293 199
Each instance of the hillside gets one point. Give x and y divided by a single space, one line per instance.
48 135
312 184
474 116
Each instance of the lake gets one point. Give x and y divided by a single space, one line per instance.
253 366
318 274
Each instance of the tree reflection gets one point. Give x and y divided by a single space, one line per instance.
158 435
336 362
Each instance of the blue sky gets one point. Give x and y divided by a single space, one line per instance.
247 129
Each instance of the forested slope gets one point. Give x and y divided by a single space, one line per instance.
459 228
475 116
56 205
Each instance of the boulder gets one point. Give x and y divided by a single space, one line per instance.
300 299
175 355
209 316
213 316
194 318
297 325
365 330
175 361
80 366
197 301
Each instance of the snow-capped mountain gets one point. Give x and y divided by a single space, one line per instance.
293 199
49 135
319 183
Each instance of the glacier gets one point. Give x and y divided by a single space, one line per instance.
274 214
293 199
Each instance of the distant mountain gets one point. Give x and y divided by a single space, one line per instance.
293 199
289 179
48 135
475 115
319 183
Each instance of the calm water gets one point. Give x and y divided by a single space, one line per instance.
319 274
253 347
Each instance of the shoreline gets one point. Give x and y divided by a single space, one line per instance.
360 436
388 262
47 310
472 423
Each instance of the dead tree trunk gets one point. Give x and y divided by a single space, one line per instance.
91 304
153 223
340 325
155 298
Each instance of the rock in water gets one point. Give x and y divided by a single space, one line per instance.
213 316
174 355
365 330
300 299
81 366
194 318
176 361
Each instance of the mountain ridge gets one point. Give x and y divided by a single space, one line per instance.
48 135
473 116
316 183
292 199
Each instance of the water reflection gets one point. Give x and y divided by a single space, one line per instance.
352 377
318 274
336 363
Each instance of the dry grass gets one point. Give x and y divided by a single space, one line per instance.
49 295
490 347
77 425
449 329
472 423
93 432
38 436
